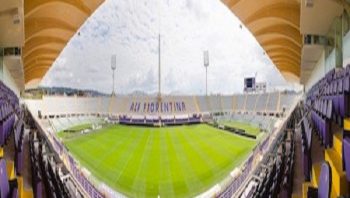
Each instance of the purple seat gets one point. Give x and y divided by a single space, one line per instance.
346 84
342 100
19 161
324 184
306 149
346 150
7 188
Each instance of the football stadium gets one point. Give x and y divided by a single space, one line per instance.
127 131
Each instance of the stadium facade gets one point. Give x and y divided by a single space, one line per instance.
304 151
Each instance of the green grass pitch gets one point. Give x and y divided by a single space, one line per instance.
170 162
251 129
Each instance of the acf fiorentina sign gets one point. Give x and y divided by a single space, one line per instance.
157 107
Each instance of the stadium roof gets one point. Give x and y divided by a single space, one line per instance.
276 26
49 25
44 28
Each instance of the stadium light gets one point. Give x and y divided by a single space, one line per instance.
159 70
113 67
159 54
206 65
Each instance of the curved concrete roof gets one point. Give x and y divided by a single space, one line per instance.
276 26
49 25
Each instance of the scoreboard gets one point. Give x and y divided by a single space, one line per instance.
249 84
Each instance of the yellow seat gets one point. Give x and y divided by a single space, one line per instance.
316 170
10 168
347 124
306 185
296 196
23 193
338 143
1 152
27 194
339 183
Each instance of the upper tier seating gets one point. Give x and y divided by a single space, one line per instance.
261 103
271 103
250 103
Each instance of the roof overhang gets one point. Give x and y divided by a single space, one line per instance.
49 25
276 26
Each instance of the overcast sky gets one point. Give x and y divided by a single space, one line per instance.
129 29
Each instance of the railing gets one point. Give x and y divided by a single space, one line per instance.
74 169
77 174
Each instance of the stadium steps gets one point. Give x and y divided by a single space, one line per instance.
316 170
207 98
338 143
256 102
267 102
334 157
296 196
305 187
234 103
221 104
111 104
245 102
10 169
347 124
1 152
196 104
22 192
279 102
339 183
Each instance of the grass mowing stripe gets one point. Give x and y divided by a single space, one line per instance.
166 177
203 174
188 161
180 185
126 156
139 184
203 151
200 158
152 176
129 175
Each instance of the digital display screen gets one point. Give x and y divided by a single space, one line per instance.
249 83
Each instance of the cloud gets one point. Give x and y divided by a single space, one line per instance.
130 30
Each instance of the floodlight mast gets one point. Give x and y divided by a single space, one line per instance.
206 65
113 67
159 54
159 70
